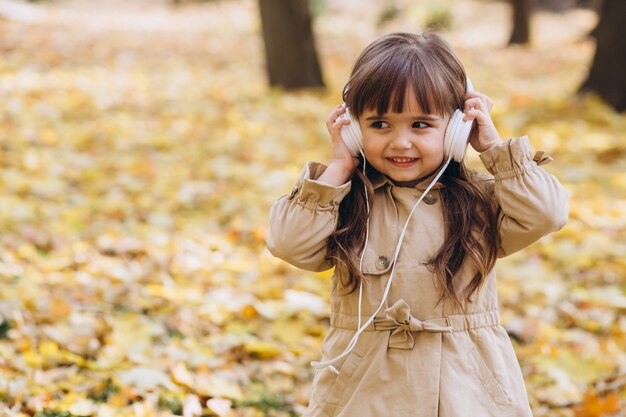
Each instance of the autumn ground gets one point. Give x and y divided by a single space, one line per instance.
141 149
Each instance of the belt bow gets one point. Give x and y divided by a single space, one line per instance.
399 320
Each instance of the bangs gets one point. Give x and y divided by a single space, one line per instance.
381 83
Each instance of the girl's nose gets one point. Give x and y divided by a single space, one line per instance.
401 141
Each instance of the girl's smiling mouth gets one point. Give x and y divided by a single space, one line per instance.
401 161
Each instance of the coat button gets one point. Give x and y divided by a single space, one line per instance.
382 262
430 199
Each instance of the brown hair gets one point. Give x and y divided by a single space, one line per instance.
379 80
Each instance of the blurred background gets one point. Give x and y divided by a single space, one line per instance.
142 143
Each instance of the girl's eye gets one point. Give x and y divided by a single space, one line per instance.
420 125
379 124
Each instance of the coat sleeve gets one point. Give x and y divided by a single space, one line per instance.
531 202
302 221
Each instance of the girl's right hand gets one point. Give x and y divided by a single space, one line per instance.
340 154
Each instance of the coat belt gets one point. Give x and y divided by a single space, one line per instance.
402 324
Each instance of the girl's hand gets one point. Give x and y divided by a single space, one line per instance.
484 135
340 154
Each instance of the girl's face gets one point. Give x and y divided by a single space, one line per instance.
404 146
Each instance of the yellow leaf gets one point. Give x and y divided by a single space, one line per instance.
181 376
263 350
32 359
71 357
48 350
214 386
288 331
249 312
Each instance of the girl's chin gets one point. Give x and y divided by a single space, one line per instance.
409 181
405 181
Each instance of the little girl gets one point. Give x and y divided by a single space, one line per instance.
403 209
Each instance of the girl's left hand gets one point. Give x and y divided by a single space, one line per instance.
484 135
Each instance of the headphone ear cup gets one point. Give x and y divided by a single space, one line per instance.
351 134
456 136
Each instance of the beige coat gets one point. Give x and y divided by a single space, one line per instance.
404 364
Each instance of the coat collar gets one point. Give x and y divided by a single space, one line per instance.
379 179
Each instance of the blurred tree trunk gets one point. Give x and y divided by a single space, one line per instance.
607 74
521 21
289 44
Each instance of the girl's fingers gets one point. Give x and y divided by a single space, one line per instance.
478 103
339 122
477 107
334 126
474 108
474 114
334 114
337 110
483 97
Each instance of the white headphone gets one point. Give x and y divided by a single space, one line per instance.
455 141
455 138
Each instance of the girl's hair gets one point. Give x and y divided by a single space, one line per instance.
379 80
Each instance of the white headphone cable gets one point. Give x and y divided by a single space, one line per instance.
360 329
455 150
